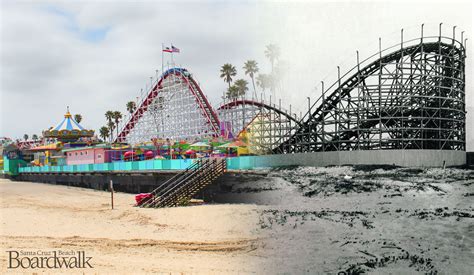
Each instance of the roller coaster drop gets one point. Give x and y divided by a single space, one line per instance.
408 96
176 108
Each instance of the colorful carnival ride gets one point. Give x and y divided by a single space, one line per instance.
175 108
68 130
49 150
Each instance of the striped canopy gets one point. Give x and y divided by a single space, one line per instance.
68 123
68 130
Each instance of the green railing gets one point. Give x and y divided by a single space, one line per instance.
236 163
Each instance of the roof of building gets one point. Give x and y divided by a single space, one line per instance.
99 146
48 147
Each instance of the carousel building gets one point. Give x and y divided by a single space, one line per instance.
68 130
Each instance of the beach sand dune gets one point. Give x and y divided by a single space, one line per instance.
127 240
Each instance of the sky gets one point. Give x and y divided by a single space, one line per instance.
95 56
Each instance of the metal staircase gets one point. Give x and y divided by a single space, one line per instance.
179 189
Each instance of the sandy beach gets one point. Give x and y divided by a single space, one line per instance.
206 239
353 220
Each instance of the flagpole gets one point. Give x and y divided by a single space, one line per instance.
172 61
162 57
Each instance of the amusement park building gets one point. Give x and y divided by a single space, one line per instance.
87 155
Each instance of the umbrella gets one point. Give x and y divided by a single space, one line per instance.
184 146
200 144
190 152
228 145
129 154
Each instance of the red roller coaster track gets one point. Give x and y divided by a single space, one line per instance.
259 104
206 109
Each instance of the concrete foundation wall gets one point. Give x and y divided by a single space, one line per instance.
470 158
407 158
221 190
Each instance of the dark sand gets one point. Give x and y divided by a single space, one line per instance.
353 220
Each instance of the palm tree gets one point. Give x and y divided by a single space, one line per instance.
117 117
272 52
35 137
78 118
227 72
25 136
267 81
111 126
109 115
251 69
241 85
104 132
272 82
131 106
263 81
232 92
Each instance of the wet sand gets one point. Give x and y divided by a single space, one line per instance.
206 239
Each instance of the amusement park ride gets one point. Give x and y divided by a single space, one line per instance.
408 96
175 108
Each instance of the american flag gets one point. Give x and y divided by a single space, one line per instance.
167 49
174 49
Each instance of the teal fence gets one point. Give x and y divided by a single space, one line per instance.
236 163
252 162
175 164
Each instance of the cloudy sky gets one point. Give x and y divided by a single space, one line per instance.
95 56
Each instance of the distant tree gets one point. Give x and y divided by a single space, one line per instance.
263 81
117 117
281 68
266 81
272 52
104 132
78 118
232 92
111 126
25 136
109 115
241 85
251 68
131 106
227 72
35 137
